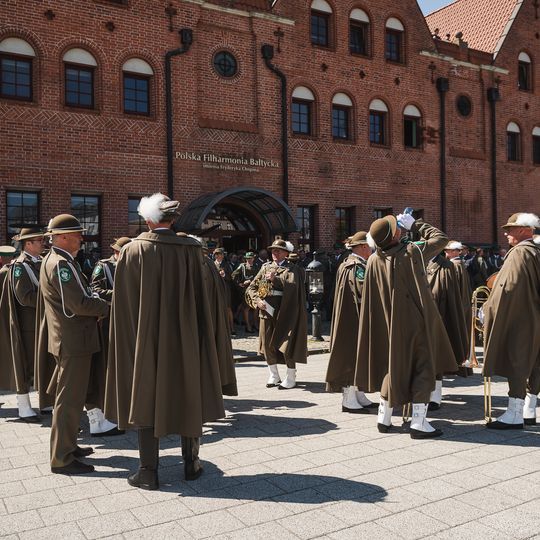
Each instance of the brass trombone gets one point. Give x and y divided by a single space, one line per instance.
479 298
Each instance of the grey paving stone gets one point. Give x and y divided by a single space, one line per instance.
263 531
31 501
453 511
162 512
65 530
473 530
68 511
11 489
491 500
371 531
44 483
312 524
17 523
434 489
211 524
397 500
411 524
118 501
91 489
22 473
517 522
109 524
257 512
356 512
163 531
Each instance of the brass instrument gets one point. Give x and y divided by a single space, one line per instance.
479 298
264 289
487 399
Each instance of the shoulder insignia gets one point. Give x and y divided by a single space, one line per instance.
65 274
17 272
360 273
97 270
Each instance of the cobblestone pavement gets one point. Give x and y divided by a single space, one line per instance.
287 464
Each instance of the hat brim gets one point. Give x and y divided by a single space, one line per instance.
272 247
360 243
54 232
512 225
19 238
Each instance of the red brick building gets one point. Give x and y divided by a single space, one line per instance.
379 114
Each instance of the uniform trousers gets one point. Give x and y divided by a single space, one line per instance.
518 386
71 376
28 362
271 354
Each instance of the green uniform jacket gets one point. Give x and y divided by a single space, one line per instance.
401 331
163 368
345 320
512 315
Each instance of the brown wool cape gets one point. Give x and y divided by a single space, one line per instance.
466 294
512 315
443 280
401 331
288 325
345 319
222 333
7 375
163 369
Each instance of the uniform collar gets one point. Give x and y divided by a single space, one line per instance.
32 258
358 257
63 252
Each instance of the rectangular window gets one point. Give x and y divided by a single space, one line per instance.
412 132
136 94
136 224
344 223
377 127
16 77
379 213
87 209
536 150
301 117
358 38
22 208
340 122
524 76
79 83
305 219
394 45
320 28
513 146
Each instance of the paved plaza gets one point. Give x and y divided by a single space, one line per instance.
287 464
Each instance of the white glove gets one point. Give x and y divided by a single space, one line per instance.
405 221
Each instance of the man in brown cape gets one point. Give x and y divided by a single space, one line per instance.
163 371
71 314
278 291
512 324
22 288
344 331
444 284
402 343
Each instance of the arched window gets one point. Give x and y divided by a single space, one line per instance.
395 41
137 76
378 122
412 127
524 72
536 145
321 27
359 32
342 107
302 111
79 66
513 142
16 67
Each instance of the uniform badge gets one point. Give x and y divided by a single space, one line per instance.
65 274
360 273
97 270
17 272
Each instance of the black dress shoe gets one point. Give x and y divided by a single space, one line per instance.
417 434
272 385
192 470
433 406
30 419
363 410
383 428
75 467
83 451
502 426
111 433
371 406
529 421
45 412
144 479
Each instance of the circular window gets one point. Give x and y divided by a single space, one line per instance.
464 105
225 64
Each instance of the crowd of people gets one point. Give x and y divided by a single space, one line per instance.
144 341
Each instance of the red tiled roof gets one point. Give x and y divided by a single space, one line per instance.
482 22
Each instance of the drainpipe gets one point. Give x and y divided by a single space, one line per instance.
493 96
186 38
268 54
443 85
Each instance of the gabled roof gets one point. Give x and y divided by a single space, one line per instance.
484 23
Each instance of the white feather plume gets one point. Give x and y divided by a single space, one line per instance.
454 244
290 247
371 242
528 220
149 207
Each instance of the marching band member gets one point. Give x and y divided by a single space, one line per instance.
512 323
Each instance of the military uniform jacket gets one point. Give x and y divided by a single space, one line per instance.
102 281
345 319
71 310
512 315
244 273
289 334
22 291
7 377
401 331
443 280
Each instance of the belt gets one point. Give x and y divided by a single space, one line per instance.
276 293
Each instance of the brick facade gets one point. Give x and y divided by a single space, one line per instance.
60 151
